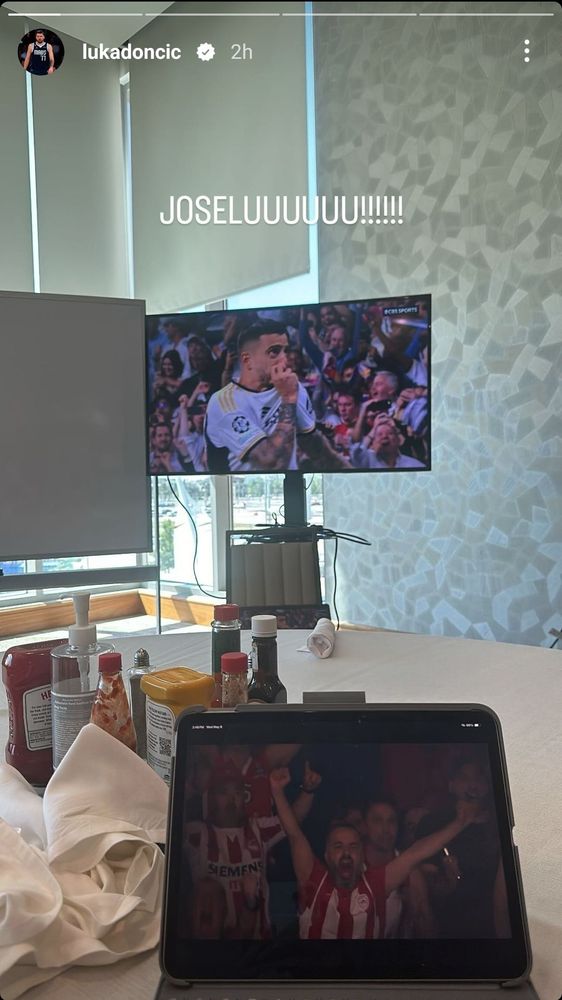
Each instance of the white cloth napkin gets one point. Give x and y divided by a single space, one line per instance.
322 639
21 807
81 883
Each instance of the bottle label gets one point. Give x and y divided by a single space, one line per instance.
11 717
111 710
159 735
223 640
37 718
71 712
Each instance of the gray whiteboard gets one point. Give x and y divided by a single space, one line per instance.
73 461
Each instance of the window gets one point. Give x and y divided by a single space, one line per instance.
181 533
238 501
214 504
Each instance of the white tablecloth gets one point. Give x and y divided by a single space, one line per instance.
523 684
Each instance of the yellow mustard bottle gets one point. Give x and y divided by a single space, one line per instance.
168 692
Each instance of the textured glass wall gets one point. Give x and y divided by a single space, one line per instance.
446 112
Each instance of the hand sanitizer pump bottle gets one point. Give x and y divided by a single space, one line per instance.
75 668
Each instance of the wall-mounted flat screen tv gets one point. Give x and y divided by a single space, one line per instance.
329 387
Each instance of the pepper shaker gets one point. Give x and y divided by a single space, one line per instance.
137 697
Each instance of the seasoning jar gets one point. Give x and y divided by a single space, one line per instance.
225 638
234 672
110 710
168 692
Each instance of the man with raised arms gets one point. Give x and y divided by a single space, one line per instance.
341 898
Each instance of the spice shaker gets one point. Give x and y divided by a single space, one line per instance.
234 673
225 638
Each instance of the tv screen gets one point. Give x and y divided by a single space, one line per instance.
330 387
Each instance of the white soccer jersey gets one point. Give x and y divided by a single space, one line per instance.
237 418
228 855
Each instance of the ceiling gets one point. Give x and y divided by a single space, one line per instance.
113 23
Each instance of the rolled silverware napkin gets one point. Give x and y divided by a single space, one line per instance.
322 640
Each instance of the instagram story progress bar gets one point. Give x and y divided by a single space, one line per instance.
341 14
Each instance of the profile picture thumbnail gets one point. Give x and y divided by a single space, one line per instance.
41 52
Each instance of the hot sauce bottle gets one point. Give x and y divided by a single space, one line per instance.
266 687
110 710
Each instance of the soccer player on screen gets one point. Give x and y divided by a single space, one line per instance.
342 898
254 422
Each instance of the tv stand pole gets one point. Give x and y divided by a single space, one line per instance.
294 500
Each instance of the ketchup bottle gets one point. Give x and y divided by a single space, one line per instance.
26 672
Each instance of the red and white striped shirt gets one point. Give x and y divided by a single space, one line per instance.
228 854
254 775
257 789
327 912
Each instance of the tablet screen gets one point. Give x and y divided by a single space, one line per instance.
366 844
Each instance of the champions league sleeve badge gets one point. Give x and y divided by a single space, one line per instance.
240 424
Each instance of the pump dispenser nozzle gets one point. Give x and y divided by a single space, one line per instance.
82 633
82 636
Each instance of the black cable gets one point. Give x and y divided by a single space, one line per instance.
310 483
325 533
196 536
335 572
328 533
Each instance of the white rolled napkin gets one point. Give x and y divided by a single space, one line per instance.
322 639
91 894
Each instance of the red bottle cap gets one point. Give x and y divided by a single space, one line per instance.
226 612
234 663
110 663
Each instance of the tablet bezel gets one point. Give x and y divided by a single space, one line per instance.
505 961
